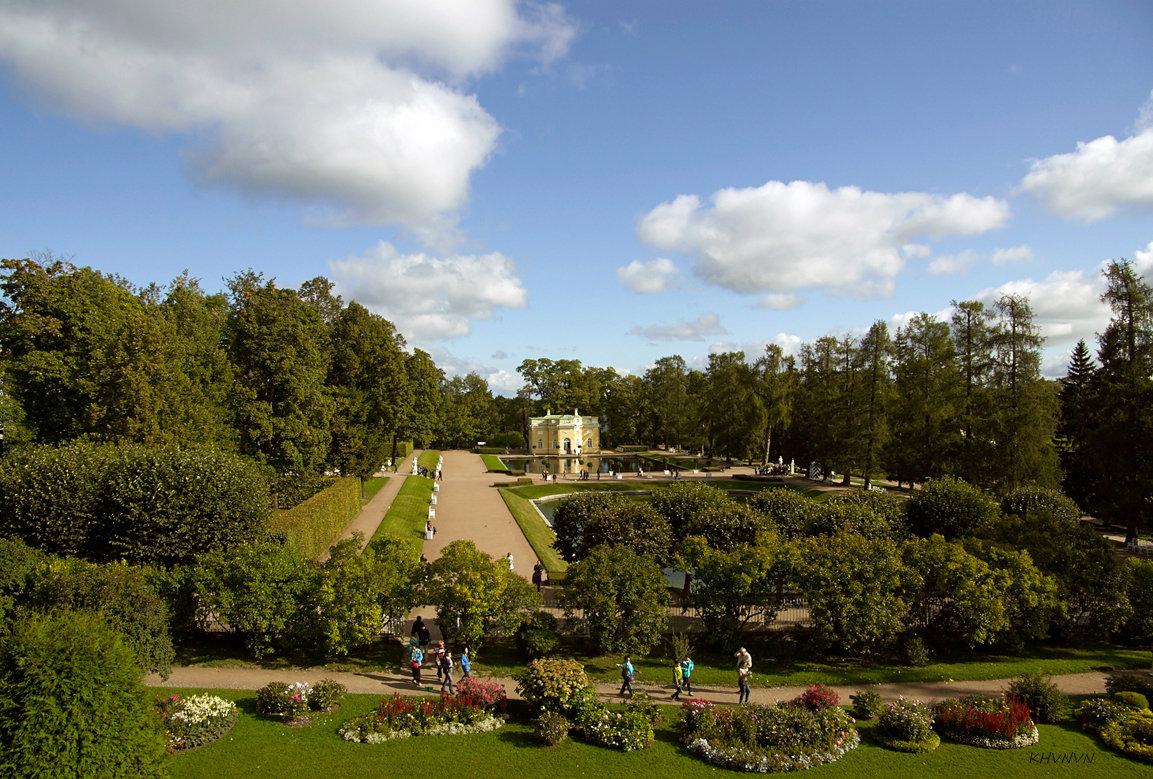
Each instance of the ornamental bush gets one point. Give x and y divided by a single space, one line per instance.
195 720
817 697
1046 702
1024 501
867 704
983 722
766 738
1131 735
402 717
325 695
485 693
551 728
951 507
1096 713
279 699
555 683
907 726
627 731
72 703
539 635
1134 700
1123 682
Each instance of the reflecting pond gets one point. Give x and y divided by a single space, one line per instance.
594 464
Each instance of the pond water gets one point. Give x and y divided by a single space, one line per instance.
594 464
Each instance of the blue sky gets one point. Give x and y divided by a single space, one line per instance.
609 182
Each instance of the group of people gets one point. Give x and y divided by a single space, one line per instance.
418 647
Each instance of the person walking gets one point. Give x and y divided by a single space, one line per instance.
537 575
437 653
744 671
678 678
446 670
465 664
627 672
417 658
687 674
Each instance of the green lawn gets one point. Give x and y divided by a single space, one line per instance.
493 463
372 486
539 535
263 747
409 510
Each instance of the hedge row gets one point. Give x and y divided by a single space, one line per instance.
312 527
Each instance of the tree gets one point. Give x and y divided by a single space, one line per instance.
819 404
477 598
575 514
973 339
421 421
638 526
728 411
952 508
350 587
1077 399
954 592
280 348
854 587
1121 442
876 390
370 389
468 411
734 587
923 417
775 389
683 501
618 597
1025 403
666 385
72 703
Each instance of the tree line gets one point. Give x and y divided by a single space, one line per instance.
304 383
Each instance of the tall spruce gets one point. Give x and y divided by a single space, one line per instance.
973 338
1077 398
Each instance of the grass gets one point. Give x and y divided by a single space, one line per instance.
539 535
409 510
493 464
263 747
372 486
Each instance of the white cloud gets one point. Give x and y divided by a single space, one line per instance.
429 298
338 105
778 301
1099 179
706 324
782 237
953 264
1066 304
1014 254
504 383
648 277
1143 262
500 354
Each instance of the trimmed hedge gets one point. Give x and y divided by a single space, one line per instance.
312 526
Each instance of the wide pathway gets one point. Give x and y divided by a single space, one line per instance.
392 680
469 507
373 512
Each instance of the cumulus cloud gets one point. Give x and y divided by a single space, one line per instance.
778 301
1066 304
429 298
344 106
706 324
1100 178
648 277
1143 261
1011 255
953 264
782 237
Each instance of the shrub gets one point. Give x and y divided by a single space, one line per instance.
1130 683
72 703
916 653
681 502
555 683
278 699
950 507
402 717
551 728
1134 700
573 515
311 526
641 703
325 695
907 726
867 704
983 722
1096 713
1046 702
790 511
818 697
196 720
1024 501
766 738
1131 735
539 635
485 693
627 731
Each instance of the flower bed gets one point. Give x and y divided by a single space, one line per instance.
766 738
986 723
196 720
403 717
907 726
1131 734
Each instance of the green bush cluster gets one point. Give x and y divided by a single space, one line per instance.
539 635
314 524
551 728
555 684
907 726
1025 501
281 699
1046 702
1095 713
867 704
1126 682
196 720
141 504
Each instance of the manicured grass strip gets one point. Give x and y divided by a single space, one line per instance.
372 486
409 511
539 535
493 464
260 746
428 459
